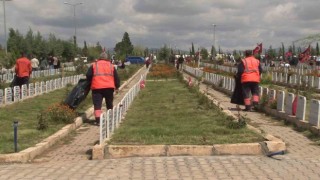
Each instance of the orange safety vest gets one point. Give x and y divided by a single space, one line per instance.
251 70
103 75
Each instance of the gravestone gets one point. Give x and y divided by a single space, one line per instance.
314 116
37 88
103 127
280 101
43 87
8 94
31 90
272 94
289 100
16 93
48 86
301 108
110 119
1 97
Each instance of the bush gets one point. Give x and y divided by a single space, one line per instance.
56 114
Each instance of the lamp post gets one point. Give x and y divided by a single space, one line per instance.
74 18
5 25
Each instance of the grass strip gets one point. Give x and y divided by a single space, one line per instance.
168 112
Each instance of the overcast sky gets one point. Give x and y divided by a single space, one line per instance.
240 24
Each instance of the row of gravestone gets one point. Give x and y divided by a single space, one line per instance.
296 79
10 95
111 119
300 71
284 100
8 77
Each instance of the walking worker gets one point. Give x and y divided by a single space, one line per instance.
250 71
104 80
23 70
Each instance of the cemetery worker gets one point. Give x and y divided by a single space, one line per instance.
180 61
250 71
104 80
23 70
34 63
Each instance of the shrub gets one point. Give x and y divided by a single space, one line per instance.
56 114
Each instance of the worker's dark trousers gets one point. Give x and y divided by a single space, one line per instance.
97 98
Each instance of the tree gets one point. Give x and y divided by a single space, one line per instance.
204 53
213 52
125 47
192 50
164 53
85 49
317 49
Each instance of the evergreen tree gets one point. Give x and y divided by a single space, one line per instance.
85 49
125 47
192 50
317 49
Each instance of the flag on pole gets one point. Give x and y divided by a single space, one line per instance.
305 55
258 49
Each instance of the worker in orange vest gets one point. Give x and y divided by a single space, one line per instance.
104 81
23 70
250 71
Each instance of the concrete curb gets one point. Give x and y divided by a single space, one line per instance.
29 154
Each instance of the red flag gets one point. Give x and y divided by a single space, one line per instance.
305 55
258 49
288 54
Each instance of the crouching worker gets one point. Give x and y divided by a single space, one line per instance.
104 81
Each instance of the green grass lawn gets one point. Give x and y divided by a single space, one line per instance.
27 111
167 112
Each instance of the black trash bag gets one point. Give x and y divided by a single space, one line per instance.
78 94
237 96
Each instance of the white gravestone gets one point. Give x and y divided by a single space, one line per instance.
31 90
1 97
103 127
8 95
289 101
314 116
16 93
272 94
280 101
301 108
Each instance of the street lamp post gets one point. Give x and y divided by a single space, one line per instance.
5 25
74 18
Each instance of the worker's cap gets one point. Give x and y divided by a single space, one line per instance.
103 56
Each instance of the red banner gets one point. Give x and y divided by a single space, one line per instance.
258 49
305 55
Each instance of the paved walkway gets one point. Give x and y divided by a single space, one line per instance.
68 160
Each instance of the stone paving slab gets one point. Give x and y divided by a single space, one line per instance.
178 167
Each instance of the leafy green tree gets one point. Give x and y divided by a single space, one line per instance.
124 47
164 53
204 53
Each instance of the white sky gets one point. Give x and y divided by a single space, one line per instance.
240 24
